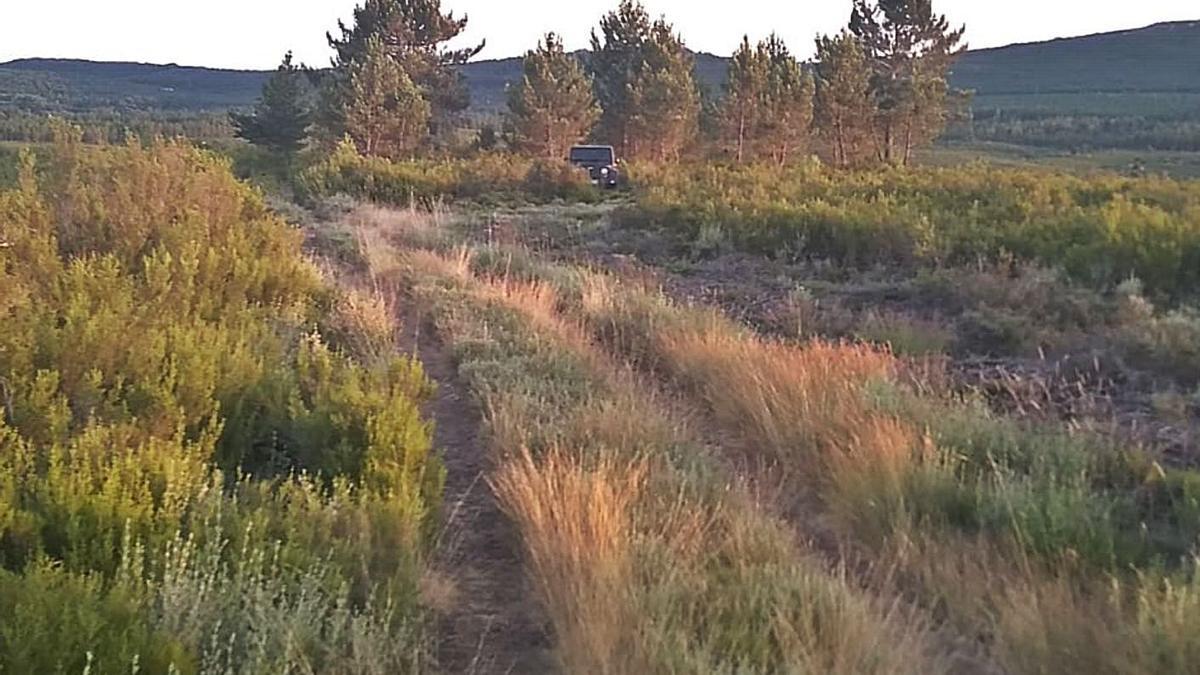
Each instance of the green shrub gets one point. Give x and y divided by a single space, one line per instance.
55 622
487 178
1168 343
1058 493
548 180
175 433
905 336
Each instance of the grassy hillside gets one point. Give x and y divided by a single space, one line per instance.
1135 89
1158 58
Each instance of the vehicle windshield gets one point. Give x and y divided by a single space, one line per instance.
592 155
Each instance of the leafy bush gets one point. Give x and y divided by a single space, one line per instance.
172 424
51 621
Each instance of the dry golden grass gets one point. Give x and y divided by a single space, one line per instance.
701 567
413 226
805 407
364 322
538 302
642 566
381 233
577 527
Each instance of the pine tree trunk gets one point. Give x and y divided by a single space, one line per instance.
839 152
908 142
741 137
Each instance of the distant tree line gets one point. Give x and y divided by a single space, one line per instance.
875 92
114 126
1080 133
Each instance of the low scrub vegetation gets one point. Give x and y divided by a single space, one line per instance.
193 477
487 178
1099 230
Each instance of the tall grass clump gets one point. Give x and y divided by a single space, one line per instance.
192 476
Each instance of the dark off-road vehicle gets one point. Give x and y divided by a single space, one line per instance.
600 161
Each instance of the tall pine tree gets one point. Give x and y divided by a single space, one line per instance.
742 108
787 124
413 34
664 103
385 114
282 115
552 107
910 49
645 85
615 60
768 109
844 112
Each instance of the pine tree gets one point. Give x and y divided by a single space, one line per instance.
768 109
552 107
742 109
282 115
413 34
910 50
844 111
644 82
616 59
385 112
664 110
787 118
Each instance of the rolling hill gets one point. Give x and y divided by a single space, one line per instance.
1152 71
53 85
1164 57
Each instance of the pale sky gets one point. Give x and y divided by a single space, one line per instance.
256 33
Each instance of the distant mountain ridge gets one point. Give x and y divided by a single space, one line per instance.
71 85
1158 59
1164 57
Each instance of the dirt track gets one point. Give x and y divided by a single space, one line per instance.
489 621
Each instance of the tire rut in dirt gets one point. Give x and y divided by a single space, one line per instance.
490 622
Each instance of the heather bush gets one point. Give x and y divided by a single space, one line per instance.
185 461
